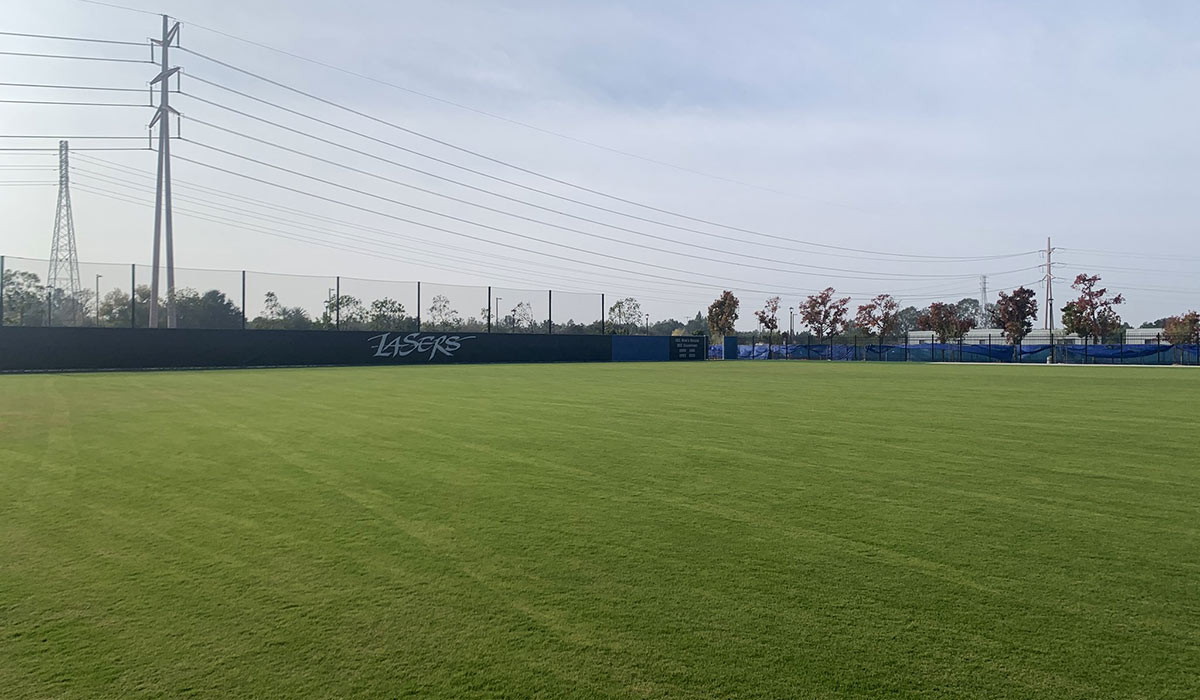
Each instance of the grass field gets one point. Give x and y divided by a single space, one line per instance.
685 530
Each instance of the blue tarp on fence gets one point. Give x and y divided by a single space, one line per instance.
954 352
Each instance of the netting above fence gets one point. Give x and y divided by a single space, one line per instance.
119 296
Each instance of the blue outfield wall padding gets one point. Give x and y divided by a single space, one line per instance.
640 348
731 350
953 352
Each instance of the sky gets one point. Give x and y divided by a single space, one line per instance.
664 151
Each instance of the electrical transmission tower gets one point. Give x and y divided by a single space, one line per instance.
64 262
1049 323
162 196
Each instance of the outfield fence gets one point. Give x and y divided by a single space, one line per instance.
118 296
904 350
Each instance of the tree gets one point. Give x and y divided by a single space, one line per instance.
1015 314
824 315
945 322
1182 330
208 310
276 316
344 312
696 326
386 314
522 317
624 316
767 318
24 299
906 319
441 316
723 314
1092 314
879 316
968 307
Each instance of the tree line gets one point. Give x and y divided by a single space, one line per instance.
821 316
824 315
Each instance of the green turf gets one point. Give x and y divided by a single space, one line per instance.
634 530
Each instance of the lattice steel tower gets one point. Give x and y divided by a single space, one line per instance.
64 262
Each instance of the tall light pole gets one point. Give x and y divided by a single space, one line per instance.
647 324
791 330
98 299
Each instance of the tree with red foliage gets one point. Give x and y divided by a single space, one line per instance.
1092 314
1015 314
1182 330
722 314
824 315
946 322
878 316
767 319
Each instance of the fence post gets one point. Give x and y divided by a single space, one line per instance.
418 306
550 310
1 290
133 296
489 316
49 307
337 303
243 300
603 329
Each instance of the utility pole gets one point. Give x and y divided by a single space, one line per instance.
64 262
984 321
1049 322
162 194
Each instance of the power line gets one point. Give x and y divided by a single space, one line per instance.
533 172
1130 255
509 120
72 138
909 293
229 209
509 198
488 270
627 261
64 103
73 150
100 88
309 215
75 38
121 7
108 59
450 216
522 217
506 181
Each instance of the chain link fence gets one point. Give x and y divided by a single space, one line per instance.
906 349
118 296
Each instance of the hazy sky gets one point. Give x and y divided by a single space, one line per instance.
954 129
